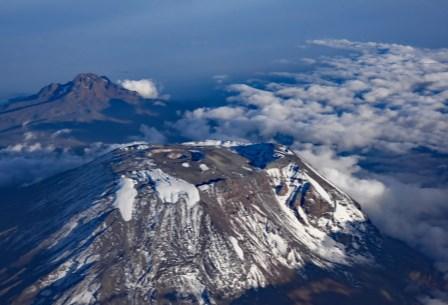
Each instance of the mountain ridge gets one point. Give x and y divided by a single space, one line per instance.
85 90
90 105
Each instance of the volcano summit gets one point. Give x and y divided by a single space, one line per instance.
201 223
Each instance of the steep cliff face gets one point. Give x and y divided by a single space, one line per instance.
201 223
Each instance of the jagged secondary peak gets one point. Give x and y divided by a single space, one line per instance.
90 85
90 78
196 224
53 91
82 82
85 86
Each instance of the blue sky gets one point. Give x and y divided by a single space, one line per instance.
185 43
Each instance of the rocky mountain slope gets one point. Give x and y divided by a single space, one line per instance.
201 223
91 107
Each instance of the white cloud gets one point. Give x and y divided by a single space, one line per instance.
145 87
379 97
410 212
343 172
387 96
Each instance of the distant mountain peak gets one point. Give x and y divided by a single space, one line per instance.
88 85
89 77
85 86
83 99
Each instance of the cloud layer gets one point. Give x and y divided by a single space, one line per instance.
375 97
145 87
385 96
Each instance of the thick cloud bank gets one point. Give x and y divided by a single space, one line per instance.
145 87
377 97
386 96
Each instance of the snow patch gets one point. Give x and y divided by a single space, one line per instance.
217 143
171 189
85 296
322 192
255 277
203 167
278 243
162 150
204 187
288 176
237 247
125 198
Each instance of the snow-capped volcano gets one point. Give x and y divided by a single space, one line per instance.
201 223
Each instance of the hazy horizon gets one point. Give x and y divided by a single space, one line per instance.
183 44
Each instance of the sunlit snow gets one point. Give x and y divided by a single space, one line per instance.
125 197
172 189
